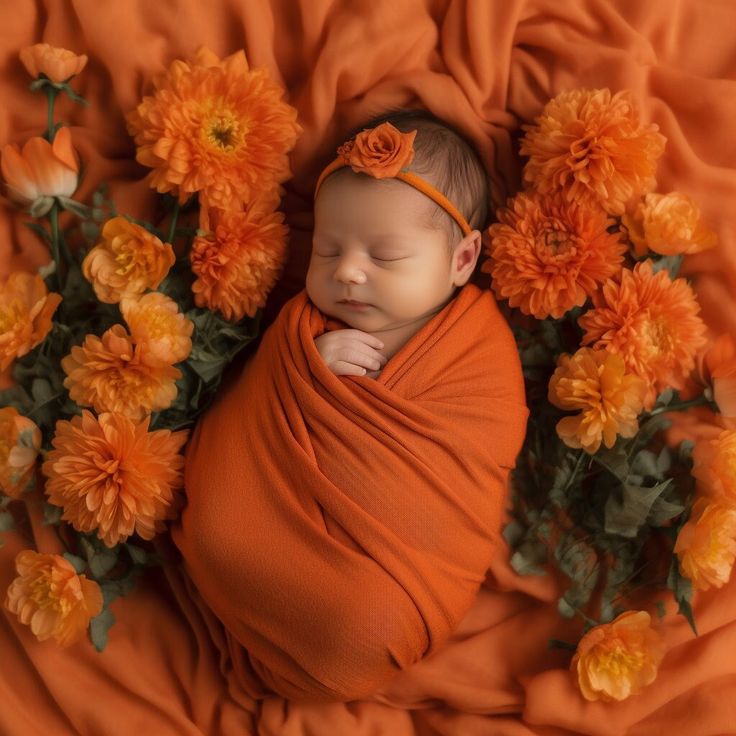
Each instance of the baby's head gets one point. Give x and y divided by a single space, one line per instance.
390 245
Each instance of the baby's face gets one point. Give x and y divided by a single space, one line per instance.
371 245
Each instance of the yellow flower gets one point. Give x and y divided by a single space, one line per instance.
706 544
56 63
616 660
52 598
154 320
127 261
714 466
609 399
26 308
20 442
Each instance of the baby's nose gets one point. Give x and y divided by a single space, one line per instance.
349 271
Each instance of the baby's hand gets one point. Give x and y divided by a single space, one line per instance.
351 352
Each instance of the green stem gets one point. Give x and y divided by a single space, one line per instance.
55 239
174 218
51 93
700 401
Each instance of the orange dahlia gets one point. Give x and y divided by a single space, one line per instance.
706 544
668 224
112 373
592 146
52 598
154 320
714 466
650 320
26 308
20 443
111 475
609 399
238 259
215 127
614 661
127 261
548 255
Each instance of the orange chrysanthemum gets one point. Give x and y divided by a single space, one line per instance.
652 322
609 399
113 476
20 442
592 146
112 373
26 308
56 63
548 255
154 320
239 260
668 224
706 544
52 598
714 466
127 261
217 128
616 660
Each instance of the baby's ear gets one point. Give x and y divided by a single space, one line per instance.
465 257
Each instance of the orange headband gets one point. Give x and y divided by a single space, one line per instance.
384 152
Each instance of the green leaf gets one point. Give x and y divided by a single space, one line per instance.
138 555
99 627
77 562
52 514
565 609
7 521
682 589
614 460
528 557
671 264
82 211
625 515
41 231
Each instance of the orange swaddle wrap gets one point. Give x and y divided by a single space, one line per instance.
340 527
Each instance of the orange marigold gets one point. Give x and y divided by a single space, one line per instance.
52 598
56 63
668 224
20 443
238 260
652 321
592 146
706 544
714 466
127 261
548 255
595 382
616 660
154 319
26 308
215 127
113 476
112 373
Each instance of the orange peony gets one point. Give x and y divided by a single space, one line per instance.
616 660
380 152
52 598
714 466
652 322
112 373
706 544
592 146
668 224
41 171
113 476
26 308
127 261
217 128
548 255
154 319
56 63
718 369
609 399
238 260
20 443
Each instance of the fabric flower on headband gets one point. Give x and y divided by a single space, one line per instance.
380 152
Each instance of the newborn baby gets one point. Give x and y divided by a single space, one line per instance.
345 494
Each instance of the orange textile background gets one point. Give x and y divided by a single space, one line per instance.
485 67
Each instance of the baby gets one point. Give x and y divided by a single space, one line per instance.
388 254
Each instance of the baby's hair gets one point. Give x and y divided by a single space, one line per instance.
448 160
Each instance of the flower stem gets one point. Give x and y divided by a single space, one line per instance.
174 218
51 93
700 401
55 242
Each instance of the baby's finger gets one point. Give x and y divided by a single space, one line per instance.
344 368
368 339
362 356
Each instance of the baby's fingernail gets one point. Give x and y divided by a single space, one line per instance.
362 371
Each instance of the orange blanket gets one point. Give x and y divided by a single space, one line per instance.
341 527
485 67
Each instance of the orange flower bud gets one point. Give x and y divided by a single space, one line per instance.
714 466
56 63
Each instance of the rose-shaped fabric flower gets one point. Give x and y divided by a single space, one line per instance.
127 261
41 171
668 224
714 466
609 399
380 152
155 320
616 660
52 598
113 476
26 308
56 63
20 442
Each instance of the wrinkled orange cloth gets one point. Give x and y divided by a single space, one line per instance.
340 527
486 67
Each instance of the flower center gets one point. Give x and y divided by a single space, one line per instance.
45 593
10 316
658 335
620 662
125 258
223 131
